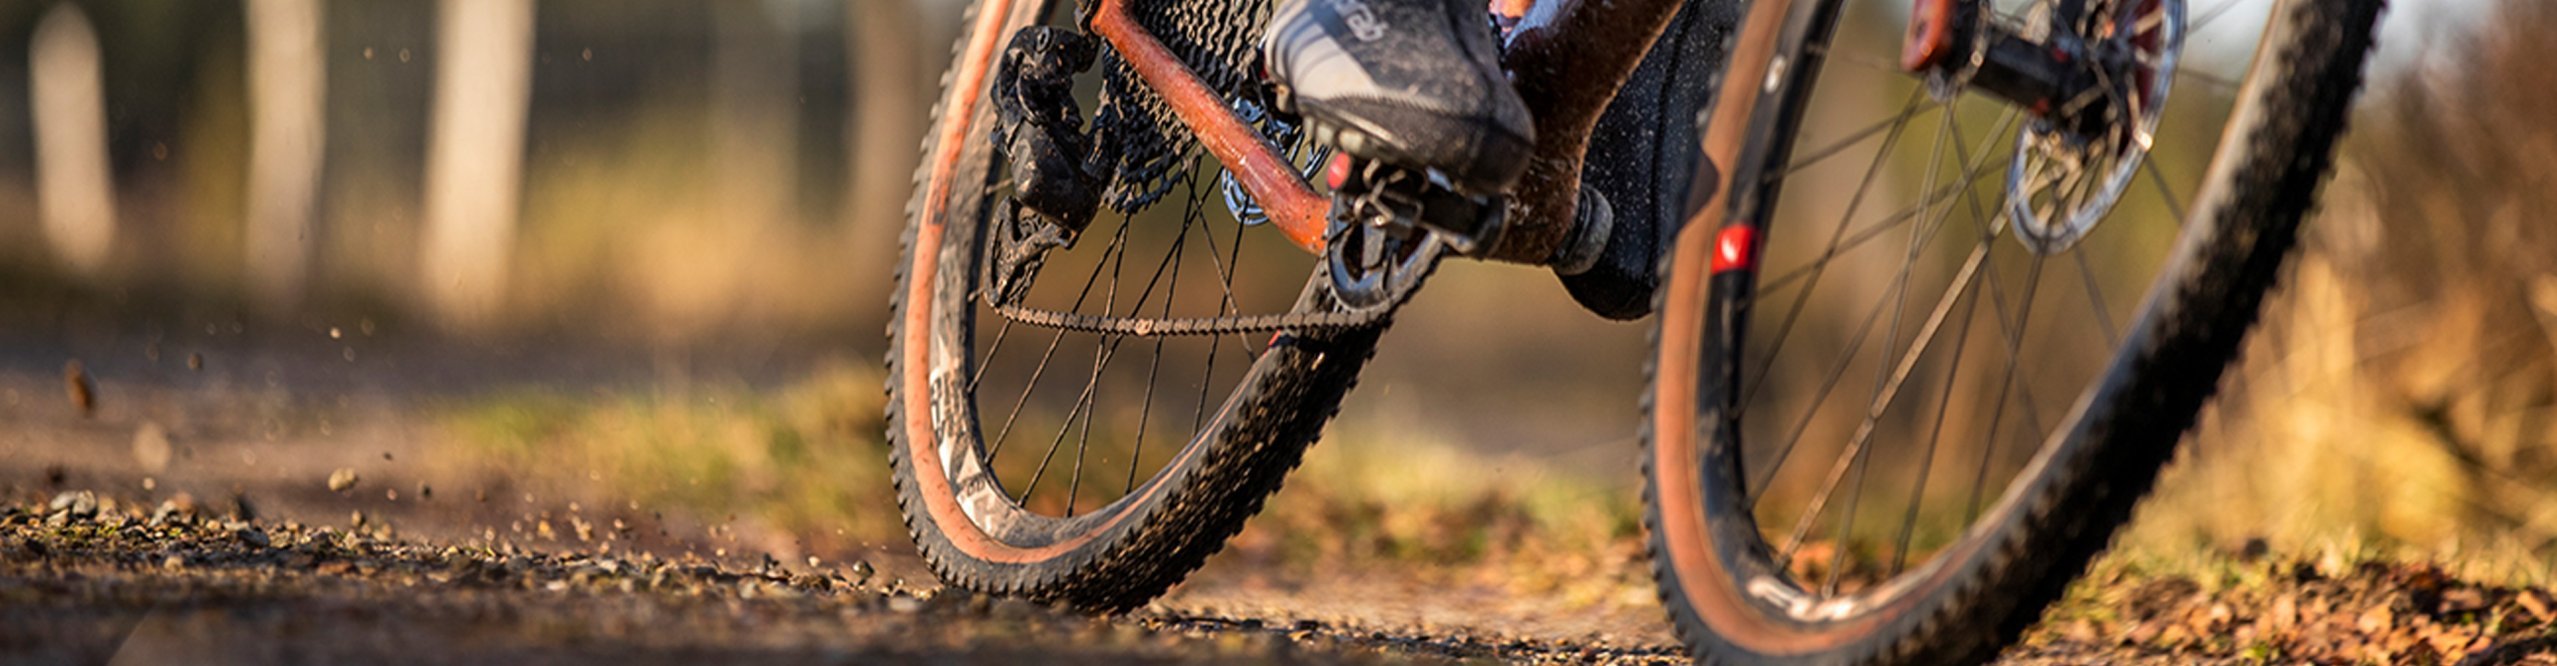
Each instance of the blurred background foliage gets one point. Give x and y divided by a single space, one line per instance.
2399 394
697 176
688 169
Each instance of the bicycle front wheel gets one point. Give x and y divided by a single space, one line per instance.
1928 348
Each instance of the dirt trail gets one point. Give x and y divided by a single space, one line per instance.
189 515
199 519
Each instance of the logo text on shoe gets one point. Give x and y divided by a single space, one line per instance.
1361 20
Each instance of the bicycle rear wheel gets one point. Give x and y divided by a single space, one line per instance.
1934 350
1037 452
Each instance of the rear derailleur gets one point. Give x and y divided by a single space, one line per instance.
1056 183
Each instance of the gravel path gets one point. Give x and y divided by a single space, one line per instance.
256 511
272 506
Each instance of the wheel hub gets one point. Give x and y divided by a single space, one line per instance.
2070 169
2093 75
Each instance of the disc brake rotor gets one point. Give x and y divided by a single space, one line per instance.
2065 176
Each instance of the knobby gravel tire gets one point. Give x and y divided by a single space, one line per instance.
2029 549
1131 551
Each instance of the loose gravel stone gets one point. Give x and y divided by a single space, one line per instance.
74 505
151 448
242 508
364 596
343 479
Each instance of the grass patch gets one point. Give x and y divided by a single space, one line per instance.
1377 497
809 459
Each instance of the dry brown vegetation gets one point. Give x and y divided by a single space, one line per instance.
2283 611
2399 394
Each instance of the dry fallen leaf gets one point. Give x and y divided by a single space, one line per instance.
2534 601
2285 613
2374 621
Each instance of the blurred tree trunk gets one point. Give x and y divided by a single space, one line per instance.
75 182
483 84
891 99
287 97
754 117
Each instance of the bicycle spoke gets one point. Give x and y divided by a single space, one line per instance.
1935 432
2174 205
2095 299
1758 487
1863 463
1793 313
1885 386
2195 26
1145 409
1234 262
1118 243
1865 60
1887 389
1860 450
1081 406
2013 337
1198 414
1100 364
979 376
1908 111
1810 273
2185 73
1083 403
1807 272
1889 378
2006 385
1115 261
1756 491
1993 226
1082 445
1990 229
1103 353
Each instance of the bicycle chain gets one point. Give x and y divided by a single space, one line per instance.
1302 322
1217 39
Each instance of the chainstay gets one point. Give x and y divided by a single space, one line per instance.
1264 323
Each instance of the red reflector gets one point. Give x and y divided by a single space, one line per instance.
1338 171
1735 249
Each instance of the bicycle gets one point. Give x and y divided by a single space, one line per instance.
1661 167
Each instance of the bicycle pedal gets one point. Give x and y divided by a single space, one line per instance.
1385 196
